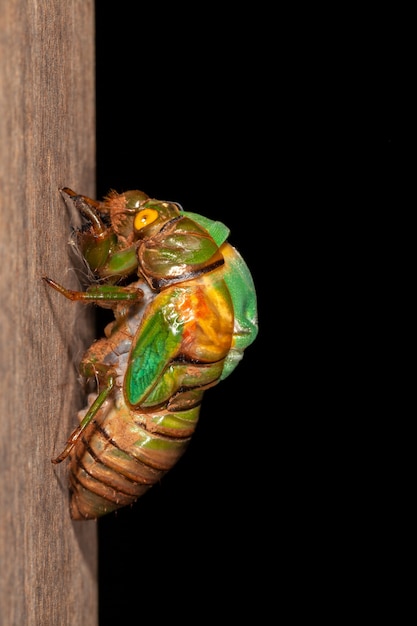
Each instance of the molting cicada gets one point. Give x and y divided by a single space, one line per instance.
185 310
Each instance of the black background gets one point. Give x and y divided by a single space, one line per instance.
269 124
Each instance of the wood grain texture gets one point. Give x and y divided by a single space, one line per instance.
47 140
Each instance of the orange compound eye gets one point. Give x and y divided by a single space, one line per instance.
145 217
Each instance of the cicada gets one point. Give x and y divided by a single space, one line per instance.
185 309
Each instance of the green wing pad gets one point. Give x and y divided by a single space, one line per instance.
158 342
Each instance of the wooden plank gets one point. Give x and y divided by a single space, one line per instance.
47 140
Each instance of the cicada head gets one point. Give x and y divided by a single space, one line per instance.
106 241
151 217
135 218
133 215
109 239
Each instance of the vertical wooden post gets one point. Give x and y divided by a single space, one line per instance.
47 140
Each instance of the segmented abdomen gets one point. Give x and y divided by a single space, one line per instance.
122 454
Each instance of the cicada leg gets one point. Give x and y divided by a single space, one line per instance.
104 295
88 207
98 294
109 378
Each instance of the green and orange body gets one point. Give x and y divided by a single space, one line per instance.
185 310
